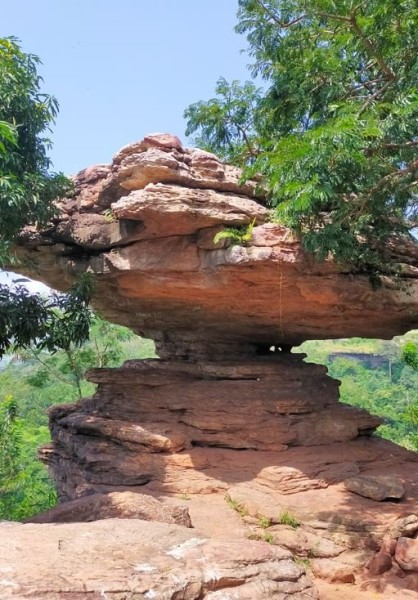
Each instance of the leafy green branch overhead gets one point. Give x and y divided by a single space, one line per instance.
334 133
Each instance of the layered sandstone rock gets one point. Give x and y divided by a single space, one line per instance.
221 414
148 419
145 226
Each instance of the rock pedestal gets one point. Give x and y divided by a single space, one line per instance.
149 419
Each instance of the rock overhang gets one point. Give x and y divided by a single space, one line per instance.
145 227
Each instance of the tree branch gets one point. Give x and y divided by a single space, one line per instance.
273 17
371 48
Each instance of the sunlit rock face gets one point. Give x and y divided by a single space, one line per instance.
157 423
219 415
145 226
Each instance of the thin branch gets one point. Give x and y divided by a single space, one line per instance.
375 96
335 17
403 145
371 48
53 372
276 20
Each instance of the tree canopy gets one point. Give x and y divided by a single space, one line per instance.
27 192
27 187
334 130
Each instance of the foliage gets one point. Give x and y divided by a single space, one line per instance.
335 131
29 387
236 505
27 193
53 322
69 366
27 188
410 355
389 390
24 487
236 235
227 123
263 521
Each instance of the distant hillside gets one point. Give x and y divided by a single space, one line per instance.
374 377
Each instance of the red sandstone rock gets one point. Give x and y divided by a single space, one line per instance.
267 430
404 527
333 571
406 553
120 505
116 559
148 410
304 543
159 272
380 563
376 487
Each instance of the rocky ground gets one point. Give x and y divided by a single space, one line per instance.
230 553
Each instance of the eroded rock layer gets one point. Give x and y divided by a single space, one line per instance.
145 226
149 418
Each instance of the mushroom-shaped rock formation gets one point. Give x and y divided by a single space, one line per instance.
219 413
145 226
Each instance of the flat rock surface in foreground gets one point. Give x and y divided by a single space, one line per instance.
117 559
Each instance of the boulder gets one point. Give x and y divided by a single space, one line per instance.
376 487
406 553
403 527
145 226
333 571
121 505
380 563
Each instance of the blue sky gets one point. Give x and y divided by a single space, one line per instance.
123 69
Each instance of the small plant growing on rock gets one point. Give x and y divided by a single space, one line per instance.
287 518
240 236
109 216
254 536
268 537
304 563
264 521
239 507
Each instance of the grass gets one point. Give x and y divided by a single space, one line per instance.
236 505
264 521
305 563
287 518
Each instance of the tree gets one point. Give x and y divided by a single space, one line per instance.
27 193
336 129
226 123
27 188
410 355
30 386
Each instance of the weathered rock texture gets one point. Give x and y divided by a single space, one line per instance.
149 418
118 559
115 505
223 415
159 272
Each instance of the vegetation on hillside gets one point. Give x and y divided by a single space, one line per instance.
389 390
29 386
